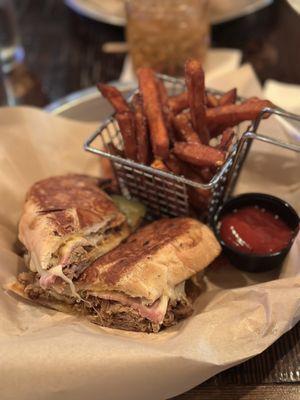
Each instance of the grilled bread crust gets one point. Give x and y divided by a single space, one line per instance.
155 259
60 207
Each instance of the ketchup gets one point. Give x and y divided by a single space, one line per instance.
255 230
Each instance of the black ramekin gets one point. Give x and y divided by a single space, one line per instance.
257 262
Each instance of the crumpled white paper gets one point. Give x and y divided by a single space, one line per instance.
45 354
285 95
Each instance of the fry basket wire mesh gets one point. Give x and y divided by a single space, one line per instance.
164 193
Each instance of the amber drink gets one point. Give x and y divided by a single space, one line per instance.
162 34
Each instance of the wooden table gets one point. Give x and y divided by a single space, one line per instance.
65 52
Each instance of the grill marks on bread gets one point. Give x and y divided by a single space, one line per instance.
139 246
73 202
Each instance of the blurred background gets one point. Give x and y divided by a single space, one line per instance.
59 47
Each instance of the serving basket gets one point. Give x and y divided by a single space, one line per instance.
165 194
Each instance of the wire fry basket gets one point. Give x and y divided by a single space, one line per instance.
164 193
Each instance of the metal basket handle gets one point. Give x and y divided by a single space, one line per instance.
251 134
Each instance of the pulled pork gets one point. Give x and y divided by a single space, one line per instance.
106 313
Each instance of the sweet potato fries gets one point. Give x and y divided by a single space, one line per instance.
199 154
154 112
141 130
233 114
194 78
187 134
125 118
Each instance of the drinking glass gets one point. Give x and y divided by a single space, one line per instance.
162 34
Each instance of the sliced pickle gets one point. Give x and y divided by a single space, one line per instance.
133 210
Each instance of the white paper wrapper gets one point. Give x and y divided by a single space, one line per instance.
49 355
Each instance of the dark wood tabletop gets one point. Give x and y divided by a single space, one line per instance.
64 54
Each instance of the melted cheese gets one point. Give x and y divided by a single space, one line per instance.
46 274
132 209
57 271
177 292
155 312
162 307
67 248
34 264
197 279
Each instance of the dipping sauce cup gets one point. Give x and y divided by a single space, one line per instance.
256 231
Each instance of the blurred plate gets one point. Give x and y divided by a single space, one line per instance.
86 105
112 11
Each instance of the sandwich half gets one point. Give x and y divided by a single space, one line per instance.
67 223
142 285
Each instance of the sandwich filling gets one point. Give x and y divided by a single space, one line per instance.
75 254
144 284
68 222
112 308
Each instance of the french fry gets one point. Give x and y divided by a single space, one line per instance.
194 77
114 150
184 129
158 131
127 128
123 116
167 113
199 154
193 172
142 136
158 164
228 97
226 139
216 130
179 102
206 174
211 100
108 174
233 114
198 197
174 164
114 96
179 167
